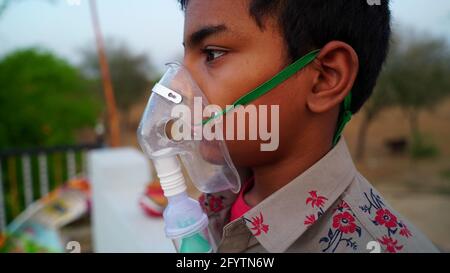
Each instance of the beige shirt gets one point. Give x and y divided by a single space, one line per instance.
330 207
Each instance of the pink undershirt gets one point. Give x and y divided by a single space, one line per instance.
239 206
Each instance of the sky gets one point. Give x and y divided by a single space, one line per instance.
153 27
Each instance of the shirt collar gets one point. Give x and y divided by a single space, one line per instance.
279 220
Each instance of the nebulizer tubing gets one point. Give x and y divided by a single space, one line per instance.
185 222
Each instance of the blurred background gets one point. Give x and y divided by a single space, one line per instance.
75 76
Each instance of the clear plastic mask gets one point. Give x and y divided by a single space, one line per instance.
207 161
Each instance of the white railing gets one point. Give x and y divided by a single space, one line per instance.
29 174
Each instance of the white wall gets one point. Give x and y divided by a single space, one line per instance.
118 178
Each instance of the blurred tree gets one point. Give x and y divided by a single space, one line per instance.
3 5
43 100
131 73
421 77
415 78
421 82
383 97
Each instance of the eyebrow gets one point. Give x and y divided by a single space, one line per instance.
200 35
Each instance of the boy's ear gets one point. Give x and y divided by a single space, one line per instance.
335 70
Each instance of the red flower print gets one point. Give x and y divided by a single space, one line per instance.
386 218
202 202
258 225
210 202
315 200
345 222
311 219
391 244
404 231
215 203
343 205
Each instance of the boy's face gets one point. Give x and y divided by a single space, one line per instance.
229 55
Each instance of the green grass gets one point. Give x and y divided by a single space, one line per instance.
445 174
423 147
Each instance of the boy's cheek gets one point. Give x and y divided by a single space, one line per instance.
227 85
245 153
250 145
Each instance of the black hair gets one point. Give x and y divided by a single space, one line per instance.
311 24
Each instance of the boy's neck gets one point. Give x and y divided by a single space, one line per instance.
272 177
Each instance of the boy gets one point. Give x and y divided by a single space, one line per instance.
306 195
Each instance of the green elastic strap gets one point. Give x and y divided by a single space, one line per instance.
270 84
345 115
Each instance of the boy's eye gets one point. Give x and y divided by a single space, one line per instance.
212 54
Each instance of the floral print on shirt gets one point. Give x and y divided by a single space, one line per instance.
316 201
211 203
258 225
382 216
343 230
